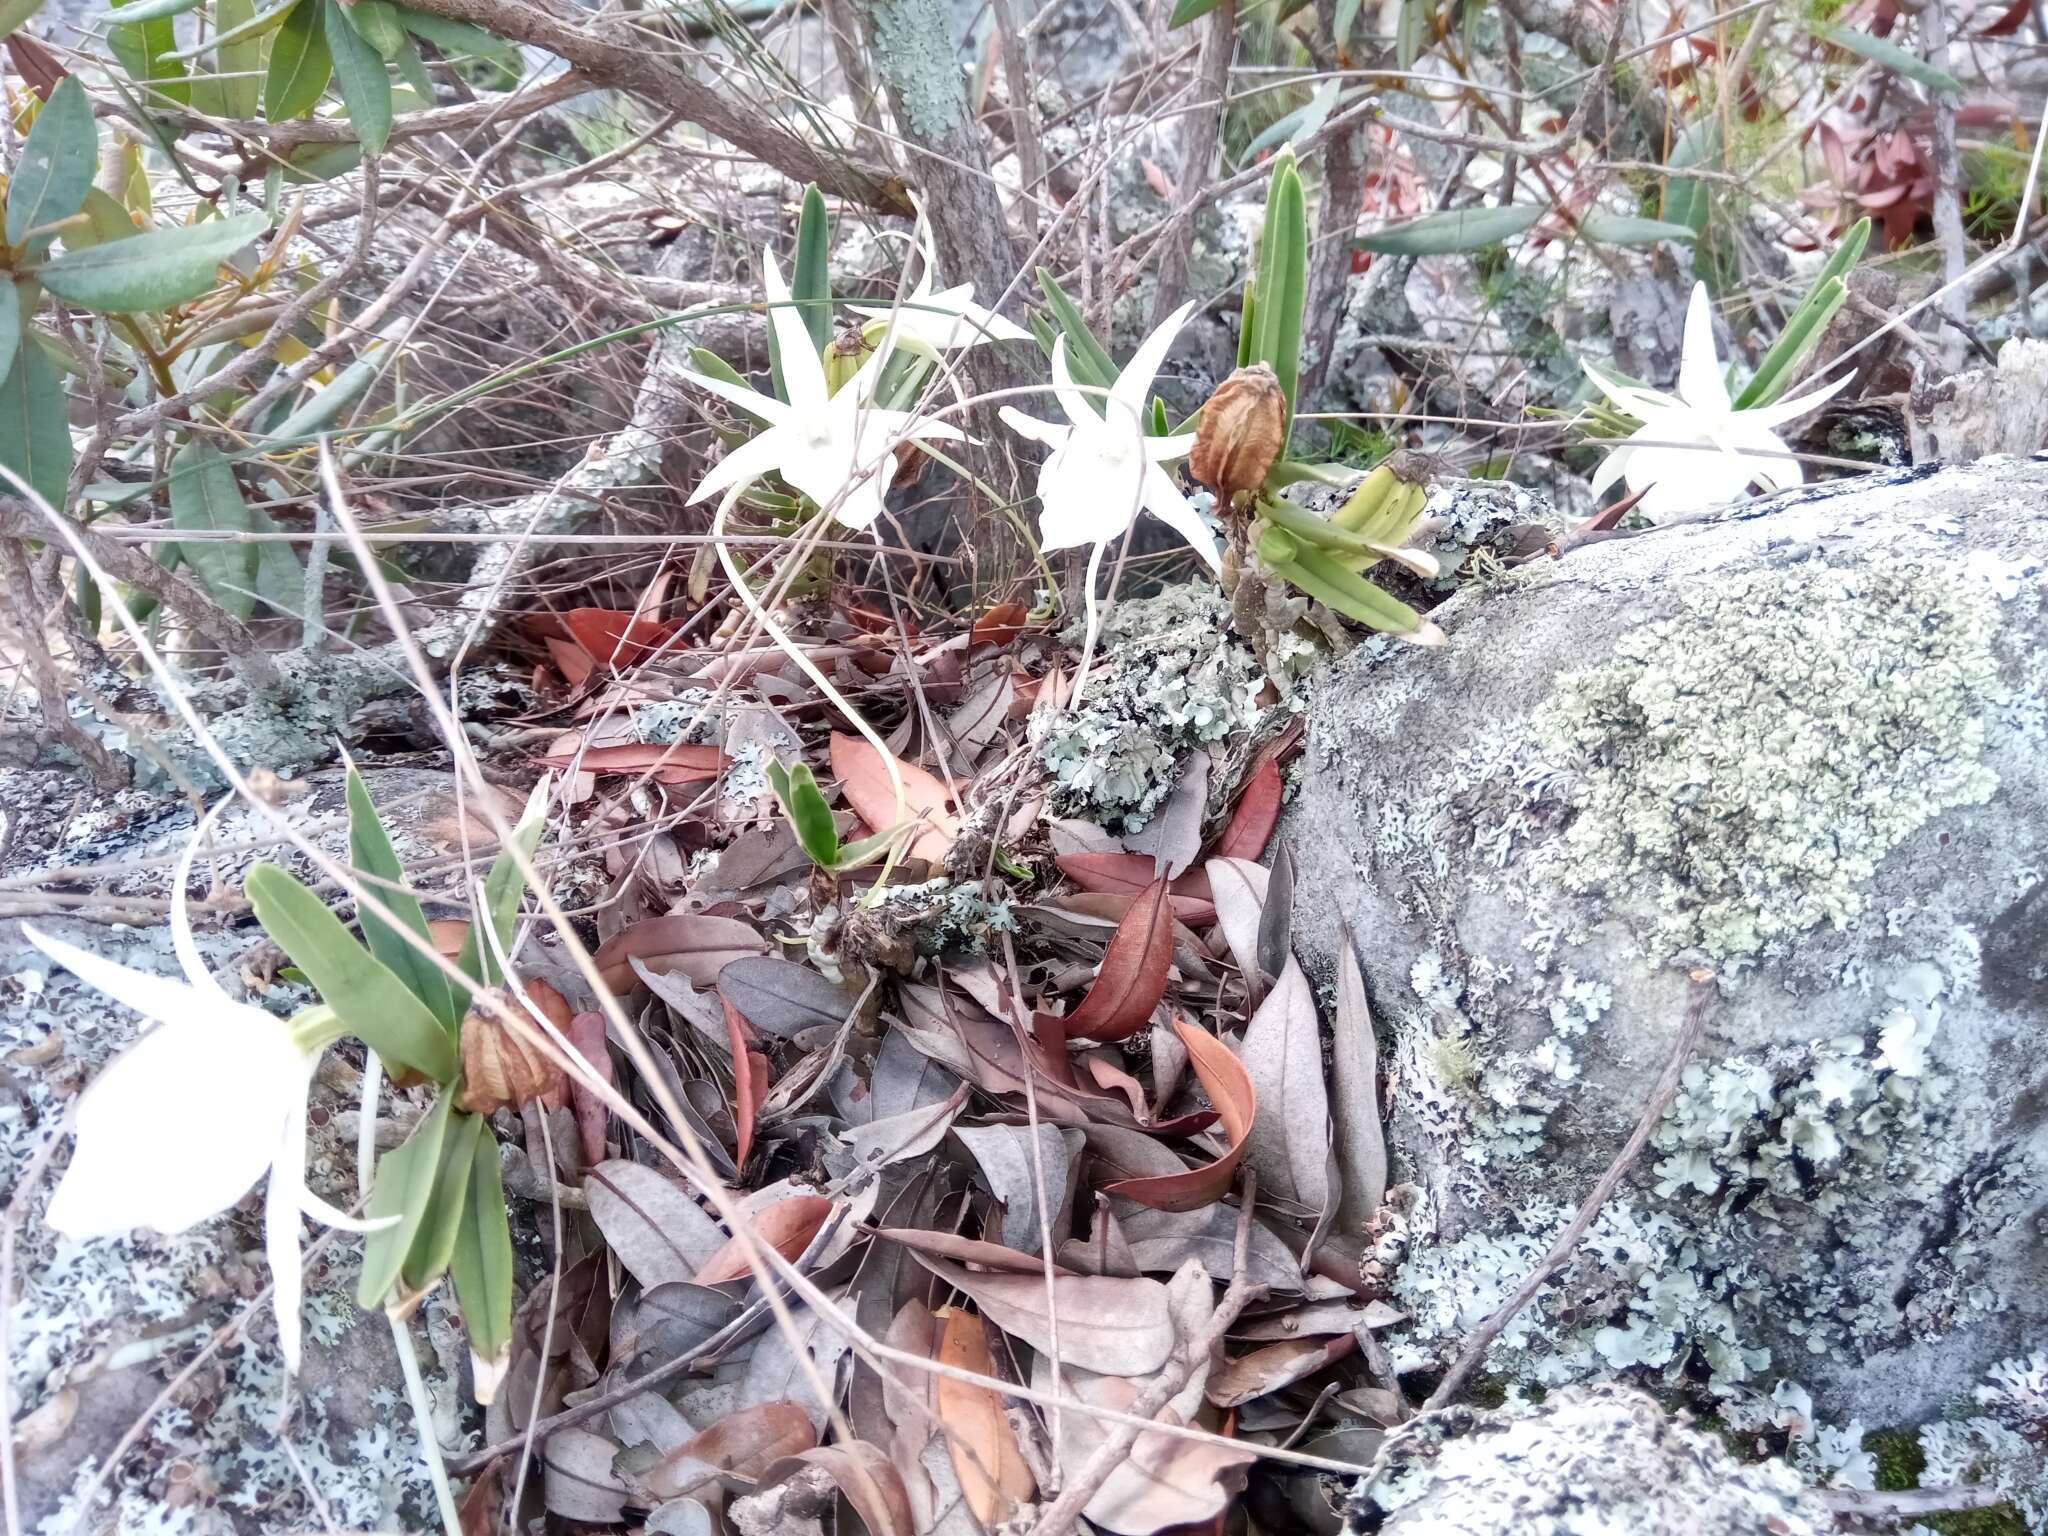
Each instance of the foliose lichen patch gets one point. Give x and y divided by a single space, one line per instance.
1757 754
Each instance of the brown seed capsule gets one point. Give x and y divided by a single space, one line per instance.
1242 429
499 1068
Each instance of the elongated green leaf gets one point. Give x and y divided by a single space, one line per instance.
1342 20
147 50
10 328
14 12
150 10
1623 229
35 434
1300 123
206 499
503 887
482 1262
434 1244
58 161
376 21
1892 57
155 270
458 39
1185 11
1452 233
404 1188
1830 291
300 64
255 24
1088 359
365 87
1688 200
233 85
810 280
371 853
360 988
1410 31
802 801
1281 285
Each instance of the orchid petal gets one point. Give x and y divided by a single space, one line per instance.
1700 384
1049 433
154 997
182 943
1165 502
1762 452
1164 450
743 465
762 407
1072 399
1793 407
1133 386
1610 471
281 1236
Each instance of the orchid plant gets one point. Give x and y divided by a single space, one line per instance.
182 1125
1704 445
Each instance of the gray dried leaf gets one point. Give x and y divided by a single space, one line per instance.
580 1483
669 1320
901 1078
775 1373
650 1419
896 1137
1174 834
1282 1050
1005 1155
679 1517
1276 922
1238 888
781 998
1162 1240
1361 1148
659 1233
1117 1327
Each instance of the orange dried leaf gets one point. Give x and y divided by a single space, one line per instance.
787 1226
1242 430
986 1457
864 780
1229 1086
1133 975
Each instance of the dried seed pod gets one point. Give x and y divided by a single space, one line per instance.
499 1068
1244 426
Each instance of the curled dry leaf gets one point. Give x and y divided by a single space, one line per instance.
1258 812
965 1250
787 1226
865 1475
986 1457
586 1032
613 637
744 1444
749 1083
695 943
1115 1326
1242 430
502 1069
1276 1366
1133 975
1229 1086
1131 874
864 780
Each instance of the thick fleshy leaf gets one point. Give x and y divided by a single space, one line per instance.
1229 1086
371 854
1115 1326
58 160
404 1188
1133 976
433 1246
986 1456
503 887
695 943
482 1262
787 1226
659 1233
1452 233
864 780
370 999
206 498
153 270
1891 56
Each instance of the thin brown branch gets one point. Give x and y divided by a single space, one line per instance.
1666 1088
1198 148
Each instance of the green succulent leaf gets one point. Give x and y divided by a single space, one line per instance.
58 161
1280 289
1802 332
206 498
434 1244
155 270
371 854
481 1264
1687 199
363 991
1087 358
1452 233
404 1188
804 803
1892 57
1625 229
503 887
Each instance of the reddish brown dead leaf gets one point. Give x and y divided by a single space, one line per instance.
787 1226
999 626
571 660
1258 812
615 638
593 1114
449 935
1131 874
745 1444
749 1082
986 1457
866 1476
965 1250
1229 1086
695 943
664 764
864 780
1276 1366
1133 976
37 66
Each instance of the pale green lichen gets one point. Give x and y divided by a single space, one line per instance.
1168 677
1759 753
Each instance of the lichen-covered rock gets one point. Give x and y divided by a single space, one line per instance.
1598 1461
1798 742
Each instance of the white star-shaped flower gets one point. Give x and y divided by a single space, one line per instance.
839 449
184 1123
930 323
1695 449
1104 467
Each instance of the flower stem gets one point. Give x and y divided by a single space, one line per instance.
423 1412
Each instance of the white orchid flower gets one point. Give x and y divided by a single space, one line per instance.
839 449
1104 467
183 1124
1695 449
930 323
